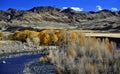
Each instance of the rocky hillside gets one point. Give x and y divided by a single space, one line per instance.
51 16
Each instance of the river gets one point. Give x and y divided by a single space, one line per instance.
16 65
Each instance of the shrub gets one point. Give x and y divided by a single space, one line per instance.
74 35
1 35
54 38
21 36
10 36
44 59
46 39
32 34
85 55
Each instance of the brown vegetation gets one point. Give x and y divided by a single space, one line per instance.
77 54
85 55
46 37
1 35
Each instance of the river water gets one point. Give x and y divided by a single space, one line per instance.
16 65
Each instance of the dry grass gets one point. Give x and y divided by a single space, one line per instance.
77 54
84 55
46 37
1 35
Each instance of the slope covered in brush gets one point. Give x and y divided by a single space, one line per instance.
45 15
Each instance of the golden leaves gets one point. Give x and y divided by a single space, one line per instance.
72 52
45 58
108 45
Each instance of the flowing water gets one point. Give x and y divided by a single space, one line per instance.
16 65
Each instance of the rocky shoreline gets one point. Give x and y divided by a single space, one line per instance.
18 54
10 49
35 67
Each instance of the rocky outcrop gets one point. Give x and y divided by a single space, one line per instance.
101 20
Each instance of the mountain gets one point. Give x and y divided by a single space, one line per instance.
56 17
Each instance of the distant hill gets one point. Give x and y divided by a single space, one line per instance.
47 15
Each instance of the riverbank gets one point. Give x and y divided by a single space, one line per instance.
20 50
18 54
16 65
10 49
35 67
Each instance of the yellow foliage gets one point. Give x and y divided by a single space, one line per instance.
33 34
23 35
19 36
42 59
44 31
48 57
92 67
106 40
56 31
46 39
45 58
60 34
99 40
74 35
27 32
82 39
72 52
39 35
111 46
108 45
54 38
1 35
48 36
15 35
10 36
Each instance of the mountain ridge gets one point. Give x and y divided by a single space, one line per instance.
101 20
